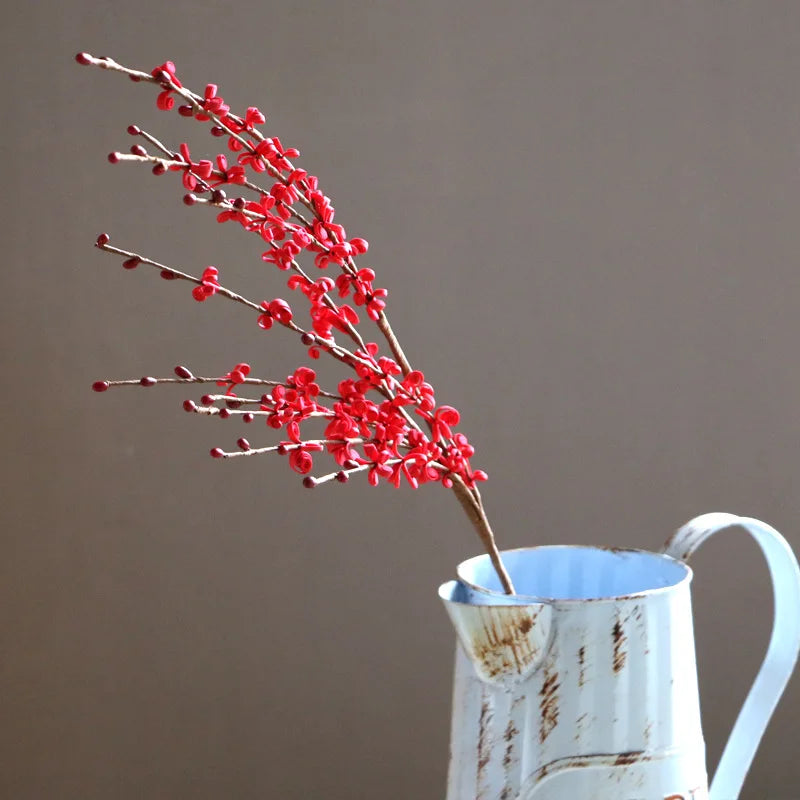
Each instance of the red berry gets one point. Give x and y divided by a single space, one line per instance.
224 413
218 130
185 111
217 452
131 263
308 339
159 169
239 203
148 381
207 400
249 417
83 58
342 477
218 196
134 130
138 150
113 158
100 386
103 239
182 372
189 199
243 444
167 275
189 405
309 482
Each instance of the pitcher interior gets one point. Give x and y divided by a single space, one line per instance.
577 573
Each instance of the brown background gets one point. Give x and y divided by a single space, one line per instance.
588 217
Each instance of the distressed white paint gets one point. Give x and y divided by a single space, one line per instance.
583 685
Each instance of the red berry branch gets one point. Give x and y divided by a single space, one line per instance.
383 418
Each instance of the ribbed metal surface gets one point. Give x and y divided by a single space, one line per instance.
583 685
589 699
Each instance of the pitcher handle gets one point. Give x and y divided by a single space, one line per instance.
783 647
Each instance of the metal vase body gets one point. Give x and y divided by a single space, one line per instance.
583 685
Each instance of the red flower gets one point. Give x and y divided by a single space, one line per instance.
378 458
443 418
325 318
209 285
312 290
282 257
192 171
277 155
419 392
233 378
300 459
212 104
166 74
234 174
364 293
253 117
284 193
275 309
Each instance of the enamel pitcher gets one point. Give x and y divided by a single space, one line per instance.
583 685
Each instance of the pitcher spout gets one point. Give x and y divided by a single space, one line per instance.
505 637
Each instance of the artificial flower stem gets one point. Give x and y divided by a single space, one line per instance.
477 516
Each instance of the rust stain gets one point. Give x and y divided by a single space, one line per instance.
581 666
525 624
503 644
593 760
483 739
575 762
648 730
579 725
511 732
548 705
631 757
619 638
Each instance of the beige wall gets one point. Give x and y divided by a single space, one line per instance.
587 217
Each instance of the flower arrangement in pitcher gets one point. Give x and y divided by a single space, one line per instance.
382 419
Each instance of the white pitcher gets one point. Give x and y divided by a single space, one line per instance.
583 685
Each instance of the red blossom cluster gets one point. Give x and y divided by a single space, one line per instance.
384 420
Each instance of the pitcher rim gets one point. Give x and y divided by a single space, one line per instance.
541 599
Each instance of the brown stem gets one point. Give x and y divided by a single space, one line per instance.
328 345
478 517
176 273
394 345
282 448
334 475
